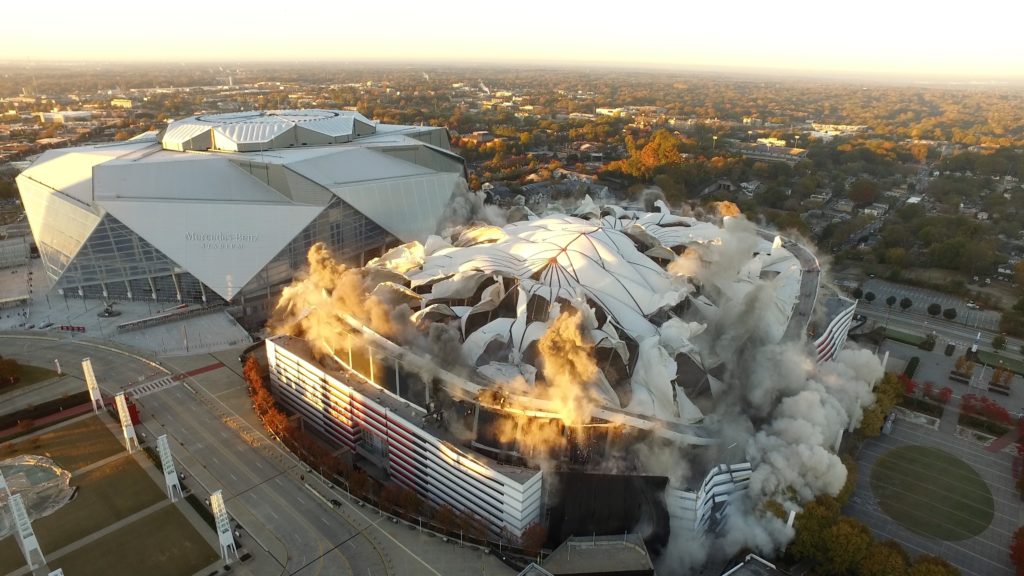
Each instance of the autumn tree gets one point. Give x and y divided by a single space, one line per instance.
906 303
888 393
846 544
949 313
533 538
934 309
851 481
870 296
863 191
890 301
1017 549
812 525
884 559
447 518
929 565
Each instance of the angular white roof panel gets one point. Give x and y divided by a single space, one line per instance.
354 165
223 244
246 131
70 170
201 178
409 208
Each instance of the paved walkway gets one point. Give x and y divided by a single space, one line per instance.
950 417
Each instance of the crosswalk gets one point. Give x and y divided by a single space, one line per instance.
151 387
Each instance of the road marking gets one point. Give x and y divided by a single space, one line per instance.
324 520
233 477
279 483
271 512
301 501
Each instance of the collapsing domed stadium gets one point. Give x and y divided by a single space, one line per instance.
558 341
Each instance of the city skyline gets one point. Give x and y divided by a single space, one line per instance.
876 40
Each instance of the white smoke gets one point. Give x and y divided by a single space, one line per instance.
467 208
793 453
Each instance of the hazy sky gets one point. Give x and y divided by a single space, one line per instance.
979 38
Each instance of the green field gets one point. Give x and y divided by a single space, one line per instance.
30 375
993 359
160 544
904 337
932 493
105 495
72 446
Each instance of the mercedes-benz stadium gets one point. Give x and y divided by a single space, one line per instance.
224 207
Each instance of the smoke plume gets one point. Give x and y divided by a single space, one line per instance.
569 367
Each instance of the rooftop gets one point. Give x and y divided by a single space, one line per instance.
265 130
600 555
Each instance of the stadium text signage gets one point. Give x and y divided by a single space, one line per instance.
221 240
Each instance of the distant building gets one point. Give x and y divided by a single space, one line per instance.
481 137
125 103
843 206
610 111
876 210
60 117
771 141
760 151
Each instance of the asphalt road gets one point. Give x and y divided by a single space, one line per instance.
946 331
260 487
218 443
113 369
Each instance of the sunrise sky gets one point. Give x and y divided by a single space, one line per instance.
969 40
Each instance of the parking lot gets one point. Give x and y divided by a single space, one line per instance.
922 298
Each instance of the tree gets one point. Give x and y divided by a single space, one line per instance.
906 303
890 301
999 342
1017 549
934 309
533 538
863 191
888 392
811 526
884 559
932 566
949 313
846 544
858 293
447 518
870 296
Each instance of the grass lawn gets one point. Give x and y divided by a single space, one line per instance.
993 359
105 495
72 446
932 493
30 375
10 557
160 544
905 337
